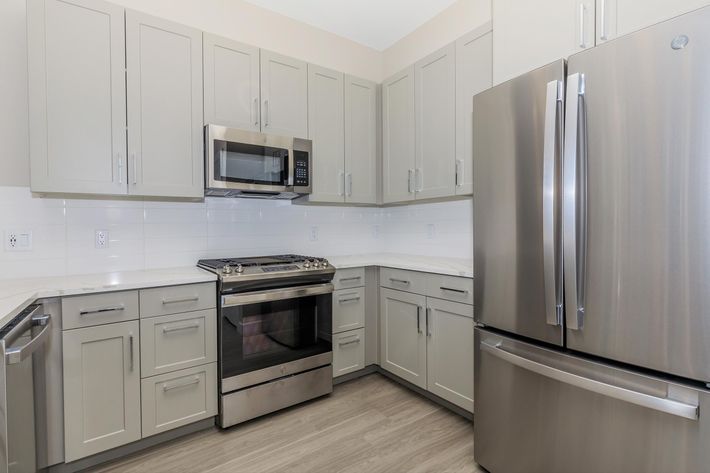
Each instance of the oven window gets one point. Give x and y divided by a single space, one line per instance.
251 164
260 335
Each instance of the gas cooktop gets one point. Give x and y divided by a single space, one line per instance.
262 267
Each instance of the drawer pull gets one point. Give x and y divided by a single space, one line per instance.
349 299
349 342
101 310
176 328
354 278
184 299
401 281
168 387
449 289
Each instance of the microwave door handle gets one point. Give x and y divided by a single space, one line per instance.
291 167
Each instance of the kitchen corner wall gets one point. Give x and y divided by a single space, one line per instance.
155 234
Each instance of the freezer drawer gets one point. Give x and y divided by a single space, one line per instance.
542 410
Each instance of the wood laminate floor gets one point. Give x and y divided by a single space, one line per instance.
371 424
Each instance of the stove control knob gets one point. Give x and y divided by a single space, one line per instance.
239 269
226 269
307 264
316 263
324 263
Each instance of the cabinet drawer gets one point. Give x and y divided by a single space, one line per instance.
348 309
173 342
99 309
180 398
348 352
176 299
351 277
451 288
410 281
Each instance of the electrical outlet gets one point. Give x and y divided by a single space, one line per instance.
18 240
313 236
101 239
430 231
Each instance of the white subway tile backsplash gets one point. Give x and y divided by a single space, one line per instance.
146 234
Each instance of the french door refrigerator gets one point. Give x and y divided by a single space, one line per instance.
592 259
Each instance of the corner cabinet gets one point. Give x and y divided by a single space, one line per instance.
164 83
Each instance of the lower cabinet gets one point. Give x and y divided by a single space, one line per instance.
348 352
102 397
349 307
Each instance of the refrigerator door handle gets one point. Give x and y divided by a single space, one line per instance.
661 404
573 219
552 148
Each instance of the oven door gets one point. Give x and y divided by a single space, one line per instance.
248 161
274 333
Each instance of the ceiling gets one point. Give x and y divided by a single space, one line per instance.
374 23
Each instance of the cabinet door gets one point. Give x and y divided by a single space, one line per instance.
398 137
360 141
231 74
325 129
474 71
435 105
164 74
284 95
619 17
77 96
102 407
449 327
402 338
528 35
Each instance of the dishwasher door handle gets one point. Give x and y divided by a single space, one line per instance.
18 354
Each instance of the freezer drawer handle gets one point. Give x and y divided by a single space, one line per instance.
669 406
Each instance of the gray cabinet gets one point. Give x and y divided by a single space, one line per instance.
402 337
435 106
77 96
102 397
474 74
360 141
348 352
450 351
164 75
398 161
325 128
284 95
231 75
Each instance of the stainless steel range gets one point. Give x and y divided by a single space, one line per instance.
275 321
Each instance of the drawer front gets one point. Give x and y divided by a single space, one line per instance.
180 398
450 288
403 280
99 309
348 352
176 299
351 277
348 309
173 342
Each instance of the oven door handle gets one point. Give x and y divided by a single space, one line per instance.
256 297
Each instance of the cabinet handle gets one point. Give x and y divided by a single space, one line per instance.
130 348
135 169
349 342
451 289
409 180
341 183
428 317
168 387
266 112
256 111
349 299
354 278
120 167
418 180
459 171
179 300
349 177
602 20
401 281
101 310
177 328
582 9
419 311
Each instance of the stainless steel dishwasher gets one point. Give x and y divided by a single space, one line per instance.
31 419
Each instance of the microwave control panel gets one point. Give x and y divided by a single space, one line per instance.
301 171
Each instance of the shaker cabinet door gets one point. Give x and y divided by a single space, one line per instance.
360 140
102 405
77 96
284 95
164 62
325 129
231 74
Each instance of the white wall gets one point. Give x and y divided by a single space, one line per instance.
449 25
151 234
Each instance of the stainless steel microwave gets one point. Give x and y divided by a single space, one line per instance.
242 163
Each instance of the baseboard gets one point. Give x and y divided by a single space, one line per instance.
355 375
131 448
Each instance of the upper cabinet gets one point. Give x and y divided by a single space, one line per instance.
435 131
77 96
284 95
474 74
231 74
361 111
398 128
164 84
527 35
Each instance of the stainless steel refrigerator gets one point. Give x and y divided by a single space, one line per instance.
592 259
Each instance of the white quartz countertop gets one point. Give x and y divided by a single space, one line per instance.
16 294
427 264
